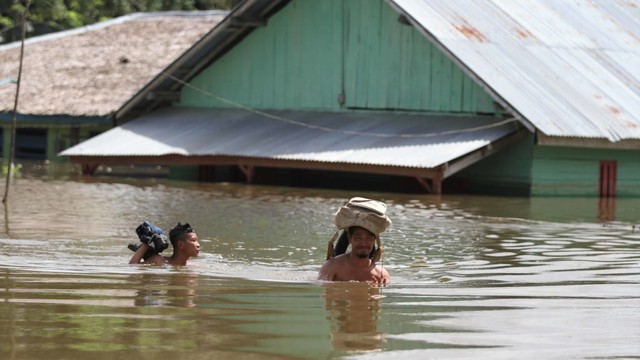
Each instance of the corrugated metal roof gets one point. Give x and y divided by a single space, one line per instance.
405 140
570 68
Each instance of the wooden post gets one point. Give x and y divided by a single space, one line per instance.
248 172
434 188
12 148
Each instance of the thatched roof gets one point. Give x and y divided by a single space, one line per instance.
93 70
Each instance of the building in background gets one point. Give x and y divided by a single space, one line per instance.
73 81
530 98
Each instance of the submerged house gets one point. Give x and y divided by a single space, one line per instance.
73 81
537 97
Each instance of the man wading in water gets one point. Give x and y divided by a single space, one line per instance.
153 241
361 221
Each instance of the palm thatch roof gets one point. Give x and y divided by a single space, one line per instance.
92 71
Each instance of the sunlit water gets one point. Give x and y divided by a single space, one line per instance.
472 277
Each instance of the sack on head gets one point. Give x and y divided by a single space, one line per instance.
366 213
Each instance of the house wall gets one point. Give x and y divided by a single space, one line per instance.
576 171
505 173
335 55
30 143
63 137
49 139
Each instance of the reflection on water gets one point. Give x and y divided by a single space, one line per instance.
354 309
179 290
472 277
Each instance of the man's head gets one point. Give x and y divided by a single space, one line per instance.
183 238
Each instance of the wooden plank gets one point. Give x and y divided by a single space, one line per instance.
259 162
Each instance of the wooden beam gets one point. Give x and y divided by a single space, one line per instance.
163 95
425 184
259 162
245 22
248 172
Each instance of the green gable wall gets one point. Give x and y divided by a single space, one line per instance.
294 62
576 171
334 55
393 66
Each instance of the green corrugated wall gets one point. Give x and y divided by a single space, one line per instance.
313 53
576 171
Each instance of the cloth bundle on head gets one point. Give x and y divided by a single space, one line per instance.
365 213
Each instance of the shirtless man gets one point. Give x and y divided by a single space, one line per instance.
185 245
355 265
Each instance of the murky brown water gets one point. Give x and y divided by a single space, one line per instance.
472 277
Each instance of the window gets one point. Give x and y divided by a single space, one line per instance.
31 144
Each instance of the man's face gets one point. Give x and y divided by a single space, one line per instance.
362 242
190 244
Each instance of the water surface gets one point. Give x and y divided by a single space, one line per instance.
472 277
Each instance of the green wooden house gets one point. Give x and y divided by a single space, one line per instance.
532 98
73 81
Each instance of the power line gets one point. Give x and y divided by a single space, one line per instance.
327 129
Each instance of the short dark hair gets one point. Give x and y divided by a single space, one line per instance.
178 232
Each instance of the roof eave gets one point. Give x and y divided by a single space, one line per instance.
586 142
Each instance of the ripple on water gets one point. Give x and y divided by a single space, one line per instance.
466 282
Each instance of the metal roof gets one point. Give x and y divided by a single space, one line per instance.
570 68
379 139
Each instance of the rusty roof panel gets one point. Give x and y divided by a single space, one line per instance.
571 68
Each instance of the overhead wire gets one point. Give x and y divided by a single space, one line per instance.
336 130
238 105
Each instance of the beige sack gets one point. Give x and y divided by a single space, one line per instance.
366 213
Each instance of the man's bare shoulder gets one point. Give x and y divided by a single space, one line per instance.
330 267
156 259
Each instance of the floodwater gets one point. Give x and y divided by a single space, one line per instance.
472 277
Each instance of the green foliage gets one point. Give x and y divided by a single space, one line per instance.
74 19
54 15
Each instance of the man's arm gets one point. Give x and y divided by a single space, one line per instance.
384 275
139 254
327 271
